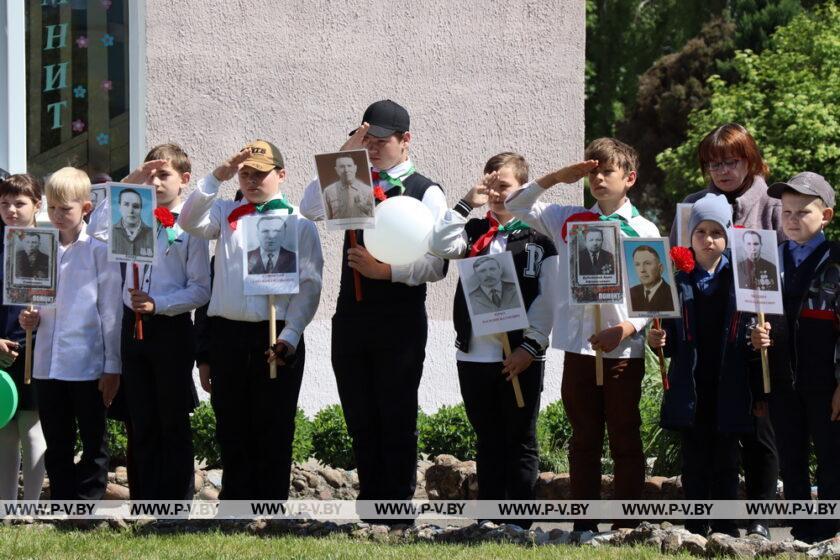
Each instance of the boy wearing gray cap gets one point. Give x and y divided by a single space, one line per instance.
805 400
715 380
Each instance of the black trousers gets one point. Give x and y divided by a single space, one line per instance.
378 362
64 406
802 416
255 415
760 461
160 394
508 458
507 462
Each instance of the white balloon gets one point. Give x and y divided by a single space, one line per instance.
402 232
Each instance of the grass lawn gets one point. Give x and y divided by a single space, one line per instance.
20 543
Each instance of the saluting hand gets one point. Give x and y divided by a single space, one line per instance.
230 167
356 140
479 195
142 174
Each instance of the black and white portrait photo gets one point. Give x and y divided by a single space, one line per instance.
30 268
594 266
347 189
492 293
132 235
270 259
649 277
756 270
98 193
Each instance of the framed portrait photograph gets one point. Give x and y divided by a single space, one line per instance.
758 287
594 265
649 277
346 189
682 219
270 259
491 289
98 193
30 267
132 234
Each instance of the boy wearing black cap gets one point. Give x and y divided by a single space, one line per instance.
805 397
254 414
379 343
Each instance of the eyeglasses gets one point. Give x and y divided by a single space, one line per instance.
725 164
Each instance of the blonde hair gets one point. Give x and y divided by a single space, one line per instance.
68 184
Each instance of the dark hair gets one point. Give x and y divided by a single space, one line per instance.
647 248
728 141
515 161
755 233
261 220
22 184
124 191
481 260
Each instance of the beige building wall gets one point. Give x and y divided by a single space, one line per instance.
477 78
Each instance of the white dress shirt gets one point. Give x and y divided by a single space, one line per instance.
574 324
205 216
427 268
449 240
180 281
79 338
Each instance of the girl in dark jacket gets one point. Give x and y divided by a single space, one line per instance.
710 400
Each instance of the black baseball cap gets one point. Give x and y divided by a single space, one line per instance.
385 118
808 183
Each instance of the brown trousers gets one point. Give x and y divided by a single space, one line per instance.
589 408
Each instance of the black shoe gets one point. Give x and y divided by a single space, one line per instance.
758 529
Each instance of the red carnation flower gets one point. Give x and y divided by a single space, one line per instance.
683 258
165 217
379 194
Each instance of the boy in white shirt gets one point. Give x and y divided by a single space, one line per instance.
76 365
255 415
157 371
611 166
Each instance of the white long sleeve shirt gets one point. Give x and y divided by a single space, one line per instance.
450 241
427 268
79 338
574 324
205 216
179 281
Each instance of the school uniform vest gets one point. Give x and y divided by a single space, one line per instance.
529 248
382 295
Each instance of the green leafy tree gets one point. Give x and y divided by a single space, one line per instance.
788 97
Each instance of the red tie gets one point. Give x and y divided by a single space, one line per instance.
484 241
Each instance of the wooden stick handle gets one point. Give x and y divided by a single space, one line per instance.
138 320
272 334
765 361
657 324
27 356
517 390
599 355
357 279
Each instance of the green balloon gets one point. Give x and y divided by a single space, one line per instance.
8 398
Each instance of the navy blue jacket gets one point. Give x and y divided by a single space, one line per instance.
740 369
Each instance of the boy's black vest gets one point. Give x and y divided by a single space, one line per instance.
382 295
529 249
805 338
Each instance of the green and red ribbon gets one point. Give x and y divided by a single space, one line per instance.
251 208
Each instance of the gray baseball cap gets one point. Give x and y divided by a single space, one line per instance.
807 182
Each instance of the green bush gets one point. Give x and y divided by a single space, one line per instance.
448 432
331 444
553 434
205 446
788 97
302 444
